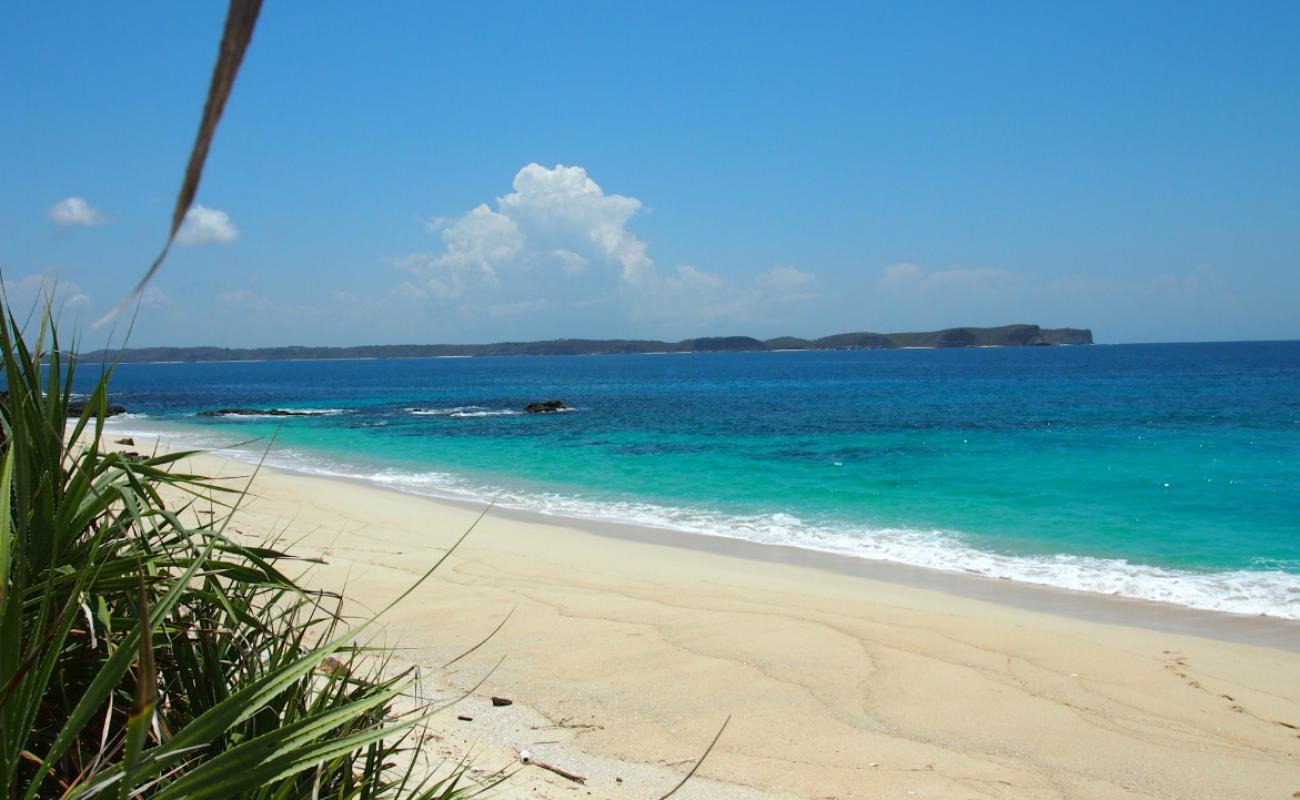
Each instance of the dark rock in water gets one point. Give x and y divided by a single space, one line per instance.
76 407
128 441
548 407
259 412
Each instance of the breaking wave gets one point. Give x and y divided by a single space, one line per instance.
1270 592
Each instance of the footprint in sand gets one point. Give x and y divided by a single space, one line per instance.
1178 662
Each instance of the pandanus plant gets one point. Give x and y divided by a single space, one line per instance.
144 652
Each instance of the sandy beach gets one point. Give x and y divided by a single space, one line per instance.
626 651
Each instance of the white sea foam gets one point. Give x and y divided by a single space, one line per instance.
1257 592
464 412
295 412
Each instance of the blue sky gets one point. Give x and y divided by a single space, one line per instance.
486 171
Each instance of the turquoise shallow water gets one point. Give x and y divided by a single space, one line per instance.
1168 472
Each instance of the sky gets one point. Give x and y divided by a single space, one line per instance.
474 172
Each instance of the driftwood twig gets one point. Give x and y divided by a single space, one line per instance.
563 773
707 750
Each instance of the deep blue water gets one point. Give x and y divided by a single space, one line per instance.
1170 472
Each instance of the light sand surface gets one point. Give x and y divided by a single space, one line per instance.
624 657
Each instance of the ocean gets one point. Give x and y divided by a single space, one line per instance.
1169 472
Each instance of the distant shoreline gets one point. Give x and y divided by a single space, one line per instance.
1021 335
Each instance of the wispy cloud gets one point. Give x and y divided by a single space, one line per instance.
906 276
247 300
786 281
699 299
154 297
75 212
36 289
409 291
520 308
689 277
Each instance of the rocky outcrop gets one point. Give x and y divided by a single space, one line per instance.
853 341
721 344
1056 336
958 337
788 343
547 407
1002 336
76 407
259 412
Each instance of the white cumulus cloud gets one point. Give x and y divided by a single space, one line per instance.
564 203
480 239
570 262
554 217
472 247
205 225
72 212
559 241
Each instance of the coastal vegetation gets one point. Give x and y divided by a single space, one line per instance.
1002 336
146 651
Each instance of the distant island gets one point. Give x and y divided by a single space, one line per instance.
1002 336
